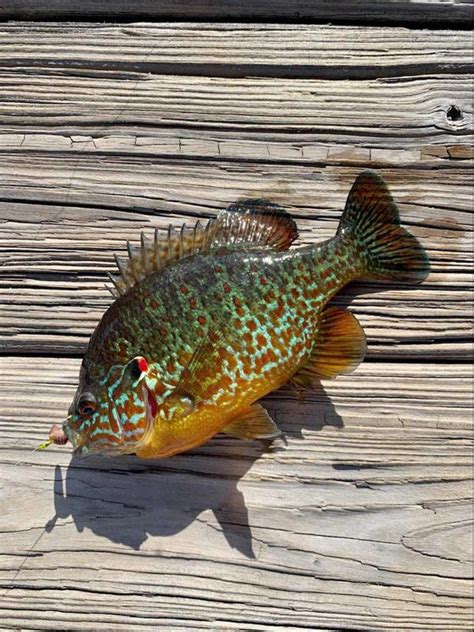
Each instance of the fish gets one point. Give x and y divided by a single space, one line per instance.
209 319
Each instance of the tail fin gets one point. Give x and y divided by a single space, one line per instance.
371 218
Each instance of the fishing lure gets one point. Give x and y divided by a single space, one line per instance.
209 320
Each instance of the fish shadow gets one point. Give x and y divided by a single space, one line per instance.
126 499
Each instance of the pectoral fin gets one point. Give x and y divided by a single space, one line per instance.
338 349
201 371
253 423
180 404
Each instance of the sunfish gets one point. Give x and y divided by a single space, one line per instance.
208 320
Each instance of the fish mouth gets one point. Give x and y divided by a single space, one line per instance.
82 447
77 440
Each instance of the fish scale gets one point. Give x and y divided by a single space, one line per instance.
208 321
238 287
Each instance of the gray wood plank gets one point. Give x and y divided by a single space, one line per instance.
56 254
91 159
95 88
426 12
236 49
425 120
361 521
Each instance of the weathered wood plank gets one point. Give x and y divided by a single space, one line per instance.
364 527
55 257
116 141
425 12
237 50
403 122
363 520
115 105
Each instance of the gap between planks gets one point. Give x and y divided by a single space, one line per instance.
425 13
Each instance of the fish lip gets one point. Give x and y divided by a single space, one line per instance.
70 434
77 441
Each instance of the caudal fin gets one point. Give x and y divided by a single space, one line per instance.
371 218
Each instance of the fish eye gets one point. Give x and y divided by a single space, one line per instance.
87 404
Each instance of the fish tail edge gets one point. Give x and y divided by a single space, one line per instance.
371 219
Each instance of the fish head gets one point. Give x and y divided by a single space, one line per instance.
114 414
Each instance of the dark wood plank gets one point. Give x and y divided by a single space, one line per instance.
424 12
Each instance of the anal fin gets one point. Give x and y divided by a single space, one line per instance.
253 423
339 348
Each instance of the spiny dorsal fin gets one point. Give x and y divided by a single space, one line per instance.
248 223
253 423
152 255
338 349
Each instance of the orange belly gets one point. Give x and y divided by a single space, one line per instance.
171 437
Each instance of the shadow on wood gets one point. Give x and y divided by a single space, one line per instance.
126 499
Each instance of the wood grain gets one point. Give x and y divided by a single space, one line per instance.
55 256
364 527
404 121
363 519
114 89
237 50
94 149
426 12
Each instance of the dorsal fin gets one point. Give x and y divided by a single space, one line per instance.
154 254
255 222
249 223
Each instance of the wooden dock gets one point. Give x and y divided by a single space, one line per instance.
118 117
